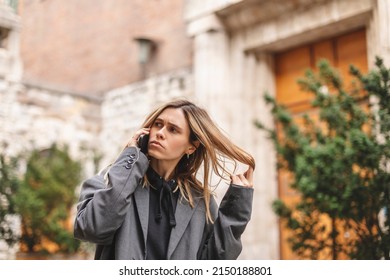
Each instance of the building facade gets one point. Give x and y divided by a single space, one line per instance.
244 48
72 72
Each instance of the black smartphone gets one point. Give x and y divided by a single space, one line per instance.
143 142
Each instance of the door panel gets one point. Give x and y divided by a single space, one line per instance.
290 65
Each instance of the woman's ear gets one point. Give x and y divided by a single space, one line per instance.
194 145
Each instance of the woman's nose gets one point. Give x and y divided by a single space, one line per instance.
160 133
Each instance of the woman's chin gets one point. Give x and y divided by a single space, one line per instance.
155 155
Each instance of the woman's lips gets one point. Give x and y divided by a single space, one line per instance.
156 144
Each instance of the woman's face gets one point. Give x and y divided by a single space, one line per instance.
169 136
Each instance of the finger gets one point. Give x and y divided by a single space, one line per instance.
243 180
141 132
137 134
249 175
236 180
145 131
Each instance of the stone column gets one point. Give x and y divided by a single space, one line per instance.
253 76
378 38
211 76
265 222
211 66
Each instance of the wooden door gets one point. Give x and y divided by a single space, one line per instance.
290 65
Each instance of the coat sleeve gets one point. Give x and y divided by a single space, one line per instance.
222 239
105 198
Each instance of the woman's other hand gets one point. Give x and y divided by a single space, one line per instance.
245 180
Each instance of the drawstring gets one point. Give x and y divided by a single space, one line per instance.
167 191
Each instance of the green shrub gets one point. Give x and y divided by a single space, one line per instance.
45 199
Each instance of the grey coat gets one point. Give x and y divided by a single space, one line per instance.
113 212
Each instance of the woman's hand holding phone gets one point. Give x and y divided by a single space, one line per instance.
143 142
134 140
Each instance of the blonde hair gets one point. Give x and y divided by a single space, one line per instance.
213 147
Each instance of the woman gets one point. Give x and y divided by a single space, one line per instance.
152 206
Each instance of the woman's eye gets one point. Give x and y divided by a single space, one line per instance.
157 124
172 129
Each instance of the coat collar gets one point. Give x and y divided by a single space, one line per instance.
183 216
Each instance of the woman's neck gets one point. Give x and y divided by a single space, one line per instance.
163 168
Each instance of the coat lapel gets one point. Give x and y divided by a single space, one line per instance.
183 216
141 196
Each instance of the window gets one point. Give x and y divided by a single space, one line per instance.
4 32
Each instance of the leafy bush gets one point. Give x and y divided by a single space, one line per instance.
45 199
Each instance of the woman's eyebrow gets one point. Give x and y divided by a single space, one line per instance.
170 123
176 126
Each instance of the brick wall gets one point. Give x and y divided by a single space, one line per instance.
88 46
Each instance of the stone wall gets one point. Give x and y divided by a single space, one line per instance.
32 116
9 252
10 74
